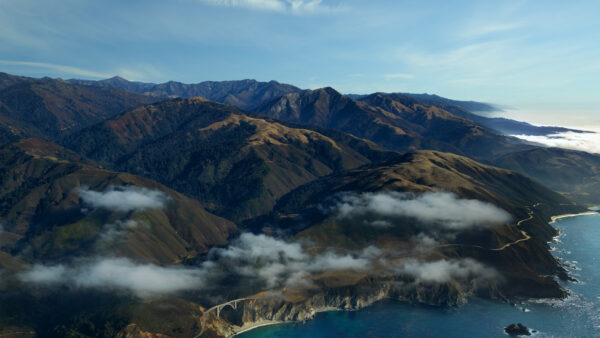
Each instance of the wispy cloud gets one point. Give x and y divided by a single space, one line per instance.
117 231
441 209
283 6
124 198
59 68
443 271
117 273
493 29
398 76
271 262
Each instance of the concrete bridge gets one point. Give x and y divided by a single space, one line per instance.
232 303
216 310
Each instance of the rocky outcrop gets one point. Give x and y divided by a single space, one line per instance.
517 330
279 307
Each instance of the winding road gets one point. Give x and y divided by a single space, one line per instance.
526 236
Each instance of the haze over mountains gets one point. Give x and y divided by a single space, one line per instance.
244 94
291 200
250 94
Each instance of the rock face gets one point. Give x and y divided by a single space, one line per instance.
517 330
289 306
574 173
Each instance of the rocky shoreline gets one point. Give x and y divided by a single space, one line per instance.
282 308
275 309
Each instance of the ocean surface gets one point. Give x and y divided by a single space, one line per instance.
578 246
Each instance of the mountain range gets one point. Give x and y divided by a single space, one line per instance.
139 207
250 94
50 108
245 93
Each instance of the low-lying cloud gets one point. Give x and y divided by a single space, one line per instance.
119 274
272 263
443 271
116 231
128 198
589 142
439 208
280 263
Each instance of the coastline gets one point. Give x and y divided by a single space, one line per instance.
557 217
249 327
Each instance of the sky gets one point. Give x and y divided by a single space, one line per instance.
539 59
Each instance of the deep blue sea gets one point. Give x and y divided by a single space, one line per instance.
578 316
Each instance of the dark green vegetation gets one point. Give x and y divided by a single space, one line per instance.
394 121
51 108
43 220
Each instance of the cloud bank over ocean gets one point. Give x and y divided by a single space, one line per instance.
589 142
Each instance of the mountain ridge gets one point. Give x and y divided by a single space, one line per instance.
236 163
246 93
402 126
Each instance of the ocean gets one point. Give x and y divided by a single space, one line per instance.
578 246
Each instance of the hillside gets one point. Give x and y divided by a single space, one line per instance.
575 174
51 108
301 211
236 164
475 229
245 94
478 112
55 206
392 121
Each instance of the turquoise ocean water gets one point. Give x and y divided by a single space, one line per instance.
578 316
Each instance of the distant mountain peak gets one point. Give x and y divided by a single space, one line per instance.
117 78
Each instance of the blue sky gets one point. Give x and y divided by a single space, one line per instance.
540 57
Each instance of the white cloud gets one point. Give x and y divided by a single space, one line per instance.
589 142
272 262
279 263
424 241
398 76
60 68
283 6
124 198
116 231
120 274
443 271
437 208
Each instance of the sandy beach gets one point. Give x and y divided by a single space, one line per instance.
554 218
